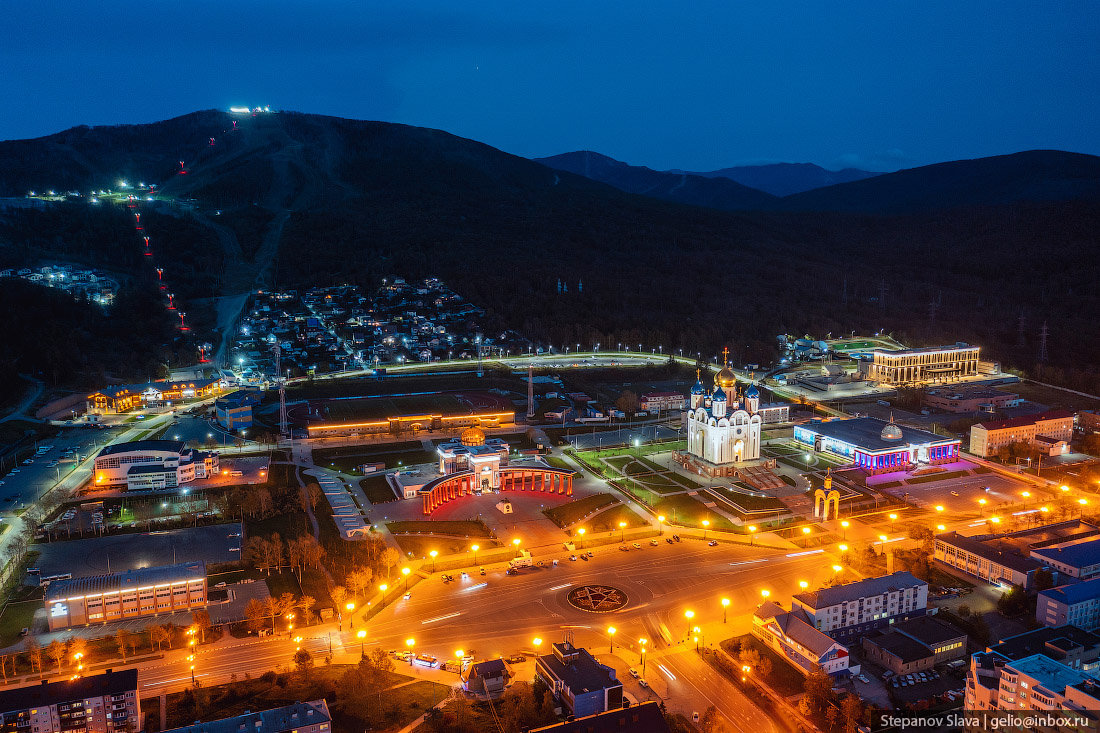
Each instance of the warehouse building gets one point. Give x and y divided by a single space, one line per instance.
100 599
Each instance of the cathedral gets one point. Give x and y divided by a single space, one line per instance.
723 428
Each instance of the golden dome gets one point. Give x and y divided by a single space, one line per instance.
472 437
725 379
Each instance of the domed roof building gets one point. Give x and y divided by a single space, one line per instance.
721 428
891 431
472 437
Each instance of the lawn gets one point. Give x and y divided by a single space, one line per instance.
559 462
574 511
945 476
349 461
749 502
458 527
784 679
685 510
399 705
377 489
418 546
16 617
379 408
609 519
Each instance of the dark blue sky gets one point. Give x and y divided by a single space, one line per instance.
694 85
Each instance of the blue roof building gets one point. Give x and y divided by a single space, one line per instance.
1077 604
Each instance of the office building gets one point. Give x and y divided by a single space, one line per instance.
659 401
1079 560
932 365
1068 645
99 703
234 410
100 599
299 717
915 645
792 636
148 465
1046 432
877 446
581 684
969 399
851 610
1076 604
1036 682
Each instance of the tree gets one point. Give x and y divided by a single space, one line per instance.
303 662
306 604
817 687
56 652
122 638
201 620
256 614
963 611
852 707
764 668
271 610
627 402
34 652
712 722
1013 601
1044 579
77 645
360 579
158 635
832 715
390 558
339 596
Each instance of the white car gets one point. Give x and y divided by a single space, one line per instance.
634 673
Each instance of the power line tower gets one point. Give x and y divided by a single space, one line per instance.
1020 329
932 306
1043 343
530 391
882 290
282 390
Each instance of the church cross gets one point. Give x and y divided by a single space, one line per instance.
726 356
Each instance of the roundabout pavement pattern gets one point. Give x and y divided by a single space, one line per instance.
597 598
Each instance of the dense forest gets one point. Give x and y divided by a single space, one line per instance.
356 201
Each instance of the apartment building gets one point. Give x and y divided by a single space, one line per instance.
100 703
1041 431
848 611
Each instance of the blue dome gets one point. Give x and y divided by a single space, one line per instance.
718 395
752 392
698 388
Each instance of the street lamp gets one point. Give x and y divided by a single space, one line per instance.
706 523
580 533
837 568
611 632
844 530
191 658
622 529
409 643
893 517
642 642
842 548
537 642
981 506
405 572
725 607
882 544
941 527
689 615
383 588
362 634
698 634
939 508
475 548
661 523
752 534
803 584
765 593
432 555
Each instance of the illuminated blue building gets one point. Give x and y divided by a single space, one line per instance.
877 446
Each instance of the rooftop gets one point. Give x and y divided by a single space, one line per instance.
643 718
997 550
792 625
1077 555
1034 642
928 630
140 578
826 597
925 349
51 693
277 720
1052 675
138 446
1074 592
583 673
901 646
866 433
1019 422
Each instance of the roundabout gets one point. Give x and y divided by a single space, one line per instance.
597 598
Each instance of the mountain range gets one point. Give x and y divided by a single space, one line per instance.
1036 175
982 250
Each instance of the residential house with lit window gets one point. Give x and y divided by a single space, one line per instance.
94 703
299 717
846 612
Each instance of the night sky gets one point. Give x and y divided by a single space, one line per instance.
695 85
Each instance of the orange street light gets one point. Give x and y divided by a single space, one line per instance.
611 632
409 643
475 548
941 527
622 530
837 568
725 607
432 555
939 508
362 635
706 523
752 533
803 584
893 517
842 548
382 589
405 571
805 530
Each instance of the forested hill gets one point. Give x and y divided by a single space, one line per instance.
344 200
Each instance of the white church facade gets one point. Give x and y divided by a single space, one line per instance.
722 427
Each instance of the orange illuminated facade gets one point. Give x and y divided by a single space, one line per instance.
413 424
512 478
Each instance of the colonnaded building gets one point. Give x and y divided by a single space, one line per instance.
152 464
924 366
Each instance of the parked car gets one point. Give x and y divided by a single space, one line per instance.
863 678
624 548
591 554
713 543
483 571
584 557
636 546
654 542
643 683
408 596
515 659
676 537
633 673
668 540
573 558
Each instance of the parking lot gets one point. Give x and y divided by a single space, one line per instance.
113 553
961 495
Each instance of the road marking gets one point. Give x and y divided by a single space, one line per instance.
751 562
664 669
440 618
559 587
